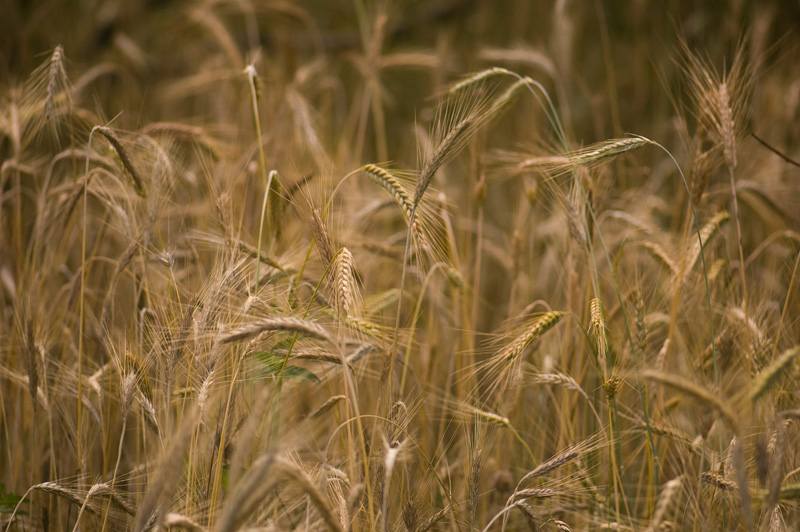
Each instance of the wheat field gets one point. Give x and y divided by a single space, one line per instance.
399 266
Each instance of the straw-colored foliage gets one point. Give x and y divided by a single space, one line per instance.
399 266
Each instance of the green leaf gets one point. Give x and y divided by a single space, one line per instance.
283 345
271 367
302 374
226 470
9 501
618 256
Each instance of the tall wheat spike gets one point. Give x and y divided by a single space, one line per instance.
345 283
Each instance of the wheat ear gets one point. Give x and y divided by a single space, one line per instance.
112 138
292 324
345 283
539 326
56 68
769 376
304 483
698 392
599 329
666 503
